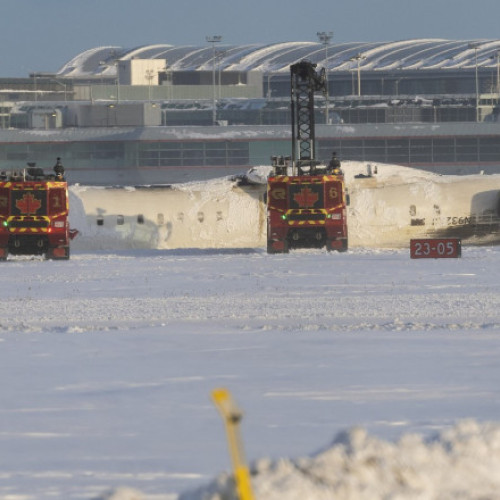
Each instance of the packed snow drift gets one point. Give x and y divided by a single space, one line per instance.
461 462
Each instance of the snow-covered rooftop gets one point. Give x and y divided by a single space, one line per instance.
277 57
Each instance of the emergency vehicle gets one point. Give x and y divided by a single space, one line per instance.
306 199
34 213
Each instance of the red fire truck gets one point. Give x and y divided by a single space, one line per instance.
34 213
306 211
306 199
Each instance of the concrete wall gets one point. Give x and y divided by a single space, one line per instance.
140 71
165 92
114 115
45 119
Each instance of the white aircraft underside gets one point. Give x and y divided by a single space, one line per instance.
387 209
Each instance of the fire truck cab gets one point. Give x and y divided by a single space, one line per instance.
306 211
34 213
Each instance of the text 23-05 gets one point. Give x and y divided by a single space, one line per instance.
435 248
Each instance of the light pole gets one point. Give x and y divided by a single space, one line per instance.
475 46
106 65
50 78
498 70
213 40
220 55
358 57
324 38
62 85
150 74
117 66
398 79
497 57
269 93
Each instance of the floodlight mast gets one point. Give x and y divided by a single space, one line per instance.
358 58
475 46
213 40
325 38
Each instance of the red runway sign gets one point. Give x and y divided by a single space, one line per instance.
436 248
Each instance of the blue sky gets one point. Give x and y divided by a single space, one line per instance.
42 35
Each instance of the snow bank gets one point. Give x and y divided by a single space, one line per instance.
462 462
122 494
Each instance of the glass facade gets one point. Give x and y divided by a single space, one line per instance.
416 151
127 154
122 158
172 154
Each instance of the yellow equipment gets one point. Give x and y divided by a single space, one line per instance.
232 415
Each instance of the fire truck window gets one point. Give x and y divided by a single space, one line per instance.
120 220
140 219
100 221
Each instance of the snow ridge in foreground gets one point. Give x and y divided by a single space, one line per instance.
460 463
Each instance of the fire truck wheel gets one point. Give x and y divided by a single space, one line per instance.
344 246
272 250
340 248
61 253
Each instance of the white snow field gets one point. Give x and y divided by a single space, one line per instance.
363 375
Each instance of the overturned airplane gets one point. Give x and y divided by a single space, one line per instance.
389 205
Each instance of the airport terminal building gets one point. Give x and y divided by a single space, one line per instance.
164 113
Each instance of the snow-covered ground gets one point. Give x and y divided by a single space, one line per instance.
364 375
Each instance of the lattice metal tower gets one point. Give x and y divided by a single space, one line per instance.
305 81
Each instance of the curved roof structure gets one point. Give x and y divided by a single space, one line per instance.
277 57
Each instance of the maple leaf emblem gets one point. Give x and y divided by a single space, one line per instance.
306 197
28 204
